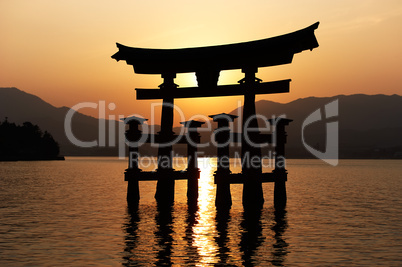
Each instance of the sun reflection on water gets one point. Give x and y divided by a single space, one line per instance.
205 229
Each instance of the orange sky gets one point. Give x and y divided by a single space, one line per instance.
60 50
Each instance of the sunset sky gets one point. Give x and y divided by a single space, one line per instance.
61 50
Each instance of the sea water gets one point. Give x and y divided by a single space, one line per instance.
74 213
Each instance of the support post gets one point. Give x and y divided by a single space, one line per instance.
253 197
133 134
280 172
223 198
193 172
165 185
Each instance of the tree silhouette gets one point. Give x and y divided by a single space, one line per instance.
26 142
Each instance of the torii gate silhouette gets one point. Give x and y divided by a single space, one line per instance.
207 62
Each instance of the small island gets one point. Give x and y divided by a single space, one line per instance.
26 142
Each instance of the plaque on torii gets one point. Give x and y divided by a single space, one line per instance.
207 62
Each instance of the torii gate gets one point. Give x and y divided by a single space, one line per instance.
207 62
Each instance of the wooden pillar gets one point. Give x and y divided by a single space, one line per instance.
253 197
193 172
280 172
133 135
165 185
223 198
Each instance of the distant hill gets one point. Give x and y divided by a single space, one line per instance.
370 126
20 107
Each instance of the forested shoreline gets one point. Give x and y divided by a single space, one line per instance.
26 142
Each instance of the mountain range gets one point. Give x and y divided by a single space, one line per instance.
370 126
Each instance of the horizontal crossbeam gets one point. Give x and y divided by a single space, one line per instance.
258 138
161 139
267 177
260 53
155 175
275 87
234 178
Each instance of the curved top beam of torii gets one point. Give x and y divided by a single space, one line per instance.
254 54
